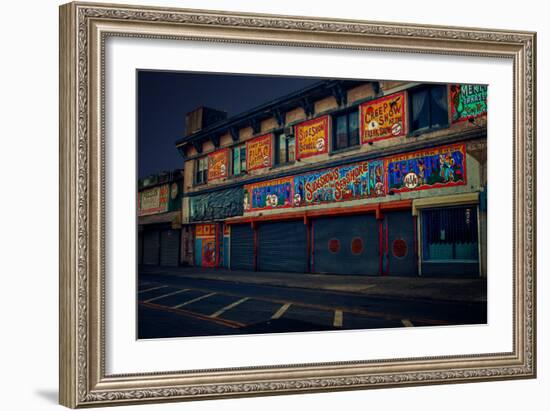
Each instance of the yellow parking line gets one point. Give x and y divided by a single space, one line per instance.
281 311
166 295
229 307
338 318
202 297
154 288
407 323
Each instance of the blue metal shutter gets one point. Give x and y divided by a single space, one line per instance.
400 258
169 248
346 245
242 247
283 246
151 244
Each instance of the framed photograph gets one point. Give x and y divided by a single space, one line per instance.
262 204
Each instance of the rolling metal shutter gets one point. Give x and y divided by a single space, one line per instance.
283 246
346 245
242 247
169 248
400 258
151 244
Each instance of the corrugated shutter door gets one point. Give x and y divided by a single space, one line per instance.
169 248
346 245
400 257
151 243
283 246
242 247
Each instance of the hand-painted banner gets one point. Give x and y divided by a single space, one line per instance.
468 101
153 200
218 164
205 231
258 152
352 182
434 168
268 194
383 118
312 137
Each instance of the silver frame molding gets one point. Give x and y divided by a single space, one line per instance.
83 30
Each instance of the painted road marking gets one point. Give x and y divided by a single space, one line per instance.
202 297
154 288
280 312
229 307
166 295
407 323
338 318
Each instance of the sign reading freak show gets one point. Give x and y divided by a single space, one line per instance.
258 152
312 137
218 164
153 200
468 101
269 194
433 168
383 118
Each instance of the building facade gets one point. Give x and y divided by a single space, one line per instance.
343 177
159 219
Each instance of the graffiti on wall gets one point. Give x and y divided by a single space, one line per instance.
258 152
382 118
351 182
216 205
153 200
312 137
268 194
437 167
218 164
468 101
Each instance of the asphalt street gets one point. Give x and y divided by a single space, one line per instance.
171 306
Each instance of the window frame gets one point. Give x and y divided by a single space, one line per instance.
242 167
431 126
277 135
198 172
334 132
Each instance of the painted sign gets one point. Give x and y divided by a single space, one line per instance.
350 182
383 118
205 245
468 101
269 194
258 152
153 200
312 137
433 168
218 164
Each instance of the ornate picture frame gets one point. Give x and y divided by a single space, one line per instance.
84 28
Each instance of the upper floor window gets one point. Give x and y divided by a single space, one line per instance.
239 160
346 130
201 170
285 151
428 107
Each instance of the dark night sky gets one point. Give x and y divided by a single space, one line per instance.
165 97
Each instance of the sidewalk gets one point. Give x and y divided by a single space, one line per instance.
429 288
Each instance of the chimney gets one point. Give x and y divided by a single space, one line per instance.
201 118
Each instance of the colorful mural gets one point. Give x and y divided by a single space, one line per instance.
383 118
205 245
351 182
218 164
437 167
153 200
258 152
268 194
312 137
468 101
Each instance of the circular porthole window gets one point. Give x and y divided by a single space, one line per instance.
357 246
334 245
399 248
